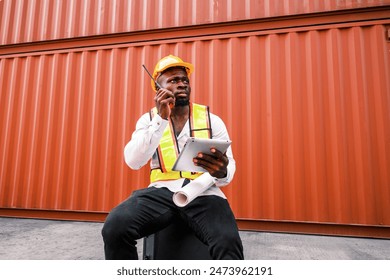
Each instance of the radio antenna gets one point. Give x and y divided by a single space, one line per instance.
157 84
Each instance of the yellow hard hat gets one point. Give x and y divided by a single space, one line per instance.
168 62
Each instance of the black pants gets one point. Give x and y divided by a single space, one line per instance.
149 210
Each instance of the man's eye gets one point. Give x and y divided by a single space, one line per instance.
173 81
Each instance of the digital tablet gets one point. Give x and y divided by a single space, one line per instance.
192 147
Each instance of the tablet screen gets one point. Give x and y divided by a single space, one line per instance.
194 146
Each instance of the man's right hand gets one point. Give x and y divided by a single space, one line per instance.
162 99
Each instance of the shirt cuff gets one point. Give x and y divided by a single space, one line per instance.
158 123
220 182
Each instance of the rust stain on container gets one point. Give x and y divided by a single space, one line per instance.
308 109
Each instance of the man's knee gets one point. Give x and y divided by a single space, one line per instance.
227 238
116 227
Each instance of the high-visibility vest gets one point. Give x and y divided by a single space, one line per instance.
168 150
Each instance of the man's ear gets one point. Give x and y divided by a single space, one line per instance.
156 86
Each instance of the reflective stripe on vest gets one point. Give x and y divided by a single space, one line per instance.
200 122
168 150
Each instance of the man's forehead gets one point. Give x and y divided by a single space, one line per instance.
174 71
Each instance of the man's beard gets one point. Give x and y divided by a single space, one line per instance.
182 102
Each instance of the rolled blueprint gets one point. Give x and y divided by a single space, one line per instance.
192 190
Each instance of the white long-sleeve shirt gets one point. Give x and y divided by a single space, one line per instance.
146 138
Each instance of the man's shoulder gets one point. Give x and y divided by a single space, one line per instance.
215 118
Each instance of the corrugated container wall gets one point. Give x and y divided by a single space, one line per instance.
40 20
306 100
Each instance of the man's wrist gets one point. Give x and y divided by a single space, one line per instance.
162 117
221 178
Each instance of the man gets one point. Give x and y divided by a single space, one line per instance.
159 137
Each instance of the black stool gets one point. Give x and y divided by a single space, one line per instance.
175 242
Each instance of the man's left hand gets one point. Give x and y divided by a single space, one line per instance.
215 163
